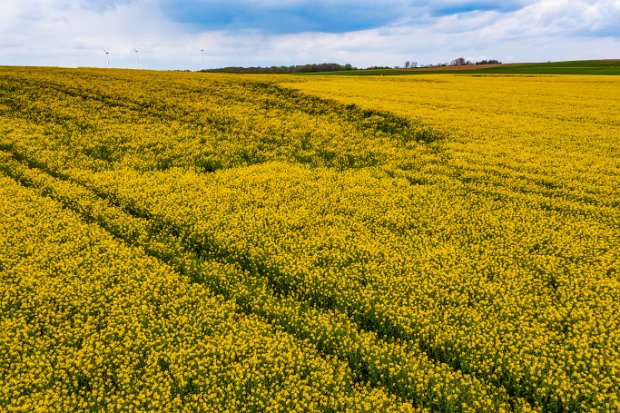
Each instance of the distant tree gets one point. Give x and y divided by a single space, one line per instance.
414 64
460 61
321 67
407 64
489 62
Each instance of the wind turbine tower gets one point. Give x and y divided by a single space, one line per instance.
202 55
107 57
136 53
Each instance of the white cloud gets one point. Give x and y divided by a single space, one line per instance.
73 33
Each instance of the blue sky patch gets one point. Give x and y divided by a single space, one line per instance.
329 17
459 7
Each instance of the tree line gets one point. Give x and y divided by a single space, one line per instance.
308 68
459 61
335 67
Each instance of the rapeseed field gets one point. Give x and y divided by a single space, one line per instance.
208 242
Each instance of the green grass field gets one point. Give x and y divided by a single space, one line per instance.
580 67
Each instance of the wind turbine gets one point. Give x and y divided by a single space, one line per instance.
136 53
202 54
107 57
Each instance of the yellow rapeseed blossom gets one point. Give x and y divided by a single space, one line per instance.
199 242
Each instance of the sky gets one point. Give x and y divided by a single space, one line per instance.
195 34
